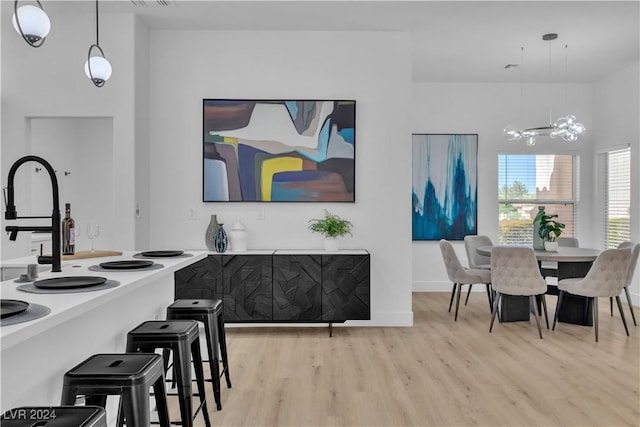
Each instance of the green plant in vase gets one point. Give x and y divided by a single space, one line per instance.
550 229
331 227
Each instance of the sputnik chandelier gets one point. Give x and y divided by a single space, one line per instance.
566 127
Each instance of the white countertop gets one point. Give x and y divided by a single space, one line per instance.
69 305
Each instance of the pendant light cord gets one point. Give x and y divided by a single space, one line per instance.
97 24
550 91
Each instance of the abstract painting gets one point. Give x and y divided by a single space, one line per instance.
278 150
445 187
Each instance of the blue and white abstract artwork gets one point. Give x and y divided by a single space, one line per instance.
445 190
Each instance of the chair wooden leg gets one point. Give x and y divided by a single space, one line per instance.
532 300
496 298
453 292
490 299
544 308
633 316
468 294
555 316
595 316
458 301
624 321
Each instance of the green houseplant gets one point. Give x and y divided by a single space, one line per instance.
550 228
331 227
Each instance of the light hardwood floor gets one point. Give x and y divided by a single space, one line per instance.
436 373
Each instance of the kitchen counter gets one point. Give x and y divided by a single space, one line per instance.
35 355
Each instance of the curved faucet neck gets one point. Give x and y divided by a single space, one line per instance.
11 209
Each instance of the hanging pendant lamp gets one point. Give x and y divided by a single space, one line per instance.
31 22
565 127
97 68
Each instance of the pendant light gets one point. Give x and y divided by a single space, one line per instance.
31 22
97 68
566 127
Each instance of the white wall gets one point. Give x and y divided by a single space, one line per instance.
372 68
485 109
617 110
49 82
81 150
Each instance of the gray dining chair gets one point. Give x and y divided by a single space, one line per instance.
635 251
570 242
471 243
550 269
460 275
606 278
514 271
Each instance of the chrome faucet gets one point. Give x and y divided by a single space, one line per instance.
10 213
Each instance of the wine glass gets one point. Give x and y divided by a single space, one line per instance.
93 231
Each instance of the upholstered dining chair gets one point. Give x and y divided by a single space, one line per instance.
550 269
606 278
635 251
471 243
571 242
460 275
514 271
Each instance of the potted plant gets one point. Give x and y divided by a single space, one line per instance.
550 229
331 227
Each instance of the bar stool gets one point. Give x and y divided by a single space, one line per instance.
127 375
55 416
209 312
182 338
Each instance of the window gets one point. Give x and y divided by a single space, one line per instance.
528 181
614 179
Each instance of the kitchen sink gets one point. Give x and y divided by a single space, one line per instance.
8 272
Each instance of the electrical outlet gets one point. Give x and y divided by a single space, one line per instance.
193 214
260 215
138 213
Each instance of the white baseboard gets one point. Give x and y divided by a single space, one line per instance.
385 318
435 287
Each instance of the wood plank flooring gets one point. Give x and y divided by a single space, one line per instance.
436 373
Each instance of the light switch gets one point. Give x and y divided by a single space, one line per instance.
193 214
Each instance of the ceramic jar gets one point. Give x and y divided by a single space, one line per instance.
238 235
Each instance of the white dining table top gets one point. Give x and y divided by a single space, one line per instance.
563 254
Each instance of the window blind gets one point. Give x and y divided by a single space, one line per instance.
526 182
614 182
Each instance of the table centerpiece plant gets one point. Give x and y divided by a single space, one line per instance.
331 227
550 229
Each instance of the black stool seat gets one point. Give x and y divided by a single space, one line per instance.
54 416
209 312
128 375
181 337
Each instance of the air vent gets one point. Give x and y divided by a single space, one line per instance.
152 3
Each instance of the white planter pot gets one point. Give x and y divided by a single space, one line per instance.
331 244
551 246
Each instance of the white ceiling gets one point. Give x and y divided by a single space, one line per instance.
453 41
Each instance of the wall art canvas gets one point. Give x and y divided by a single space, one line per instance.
444 186
279 150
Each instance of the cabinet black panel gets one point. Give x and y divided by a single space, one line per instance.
296 287
345 287
247 287
200 280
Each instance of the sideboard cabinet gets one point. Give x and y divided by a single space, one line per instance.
282 286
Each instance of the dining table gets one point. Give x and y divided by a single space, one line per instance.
571 262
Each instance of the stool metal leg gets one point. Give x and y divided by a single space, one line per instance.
223 349
160 394
182 367
211 332
197 364
136 407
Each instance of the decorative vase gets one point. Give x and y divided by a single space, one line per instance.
210 233
331 244
220 240
551 246
538 243
238 236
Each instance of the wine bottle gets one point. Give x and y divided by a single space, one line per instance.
68 232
